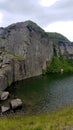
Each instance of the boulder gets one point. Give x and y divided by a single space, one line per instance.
16 103
5 109
3 95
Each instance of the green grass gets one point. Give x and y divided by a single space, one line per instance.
60 120
59 63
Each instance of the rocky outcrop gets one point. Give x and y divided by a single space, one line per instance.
62 46
26 51
64 50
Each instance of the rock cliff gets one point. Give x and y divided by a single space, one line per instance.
61 45
27 50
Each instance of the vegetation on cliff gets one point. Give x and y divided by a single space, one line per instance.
11 56
59 63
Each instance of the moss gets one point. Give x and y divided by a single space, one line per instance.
9 55
19 58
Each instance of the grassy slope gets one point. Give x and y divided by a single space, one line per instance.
61 120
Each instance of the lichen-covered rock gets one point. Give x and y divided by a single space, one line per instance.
16 103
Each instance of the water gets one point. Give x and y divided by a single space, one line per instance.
44 93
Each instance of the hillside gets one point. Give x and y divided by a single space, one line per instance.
57 37
63 54
62 46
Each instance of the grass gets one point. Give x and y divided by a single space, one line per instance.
60 120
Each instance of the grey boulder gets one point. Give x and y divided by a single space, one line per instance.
3 95
5 109
16 103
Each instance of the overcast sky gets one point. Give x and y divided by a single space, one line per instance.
51 15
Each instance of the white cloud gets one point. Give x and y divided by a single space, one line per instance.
1 18
47 3
12 11
65 28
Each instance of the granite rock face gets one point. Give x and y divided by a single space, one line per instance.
62 49
66 50
30 46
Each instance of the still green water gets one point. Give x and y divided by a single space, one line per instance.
45 93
